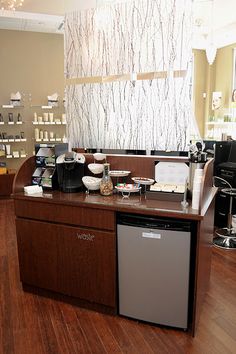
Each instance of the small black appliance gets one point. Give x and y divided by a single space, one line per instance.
70 170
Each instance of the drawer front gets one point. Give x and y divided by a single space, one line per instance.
66 214
78 262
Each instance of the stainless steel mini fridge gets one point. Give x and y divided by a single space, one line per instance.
153 269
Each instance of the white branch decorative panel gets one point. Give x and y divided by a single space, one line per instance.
142 115
138 36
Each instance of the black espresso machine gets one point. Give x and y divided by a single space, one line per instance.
70 170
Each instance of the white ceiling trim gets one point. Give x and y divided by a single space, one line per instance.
27 21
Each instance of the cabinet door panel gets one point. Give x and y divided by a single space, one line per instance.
87 261
74 261
37 252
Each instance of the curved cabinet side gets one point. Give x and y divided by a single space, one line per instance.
23 176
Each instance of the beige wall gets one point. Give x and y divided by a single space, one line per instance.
224 73
29 63
32 63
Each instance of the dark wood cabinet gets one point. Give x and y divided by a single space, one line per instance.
67 242
74 261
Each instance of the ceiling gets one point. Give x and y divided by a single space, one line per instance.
210 16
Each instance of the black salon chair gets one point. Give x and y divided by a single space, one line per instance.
226 236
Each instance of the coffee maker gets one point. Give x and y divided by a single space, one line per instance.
70 170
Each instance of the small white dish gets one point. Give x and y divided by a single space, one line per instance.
143 180
91 183
119 173
96 168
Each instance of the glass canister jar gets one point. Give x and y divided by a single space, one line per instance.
106 185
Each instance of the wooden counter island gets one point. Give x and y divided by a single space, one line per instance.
67 242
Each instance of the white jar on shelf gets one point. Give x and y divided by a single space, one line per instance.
63 118
51 135
45 117
51 117
45 135
36 134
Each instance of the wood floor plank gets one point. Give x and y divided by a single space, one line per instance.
76 333
122 338
105 333
30 324
135 335
90 333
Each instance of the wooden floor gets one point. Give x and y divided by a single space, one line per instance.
31 324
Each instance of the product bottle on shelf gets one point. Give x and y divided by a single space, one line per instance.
106 185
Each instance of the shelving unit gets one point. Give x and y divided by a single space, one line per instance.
216 129
49 126
11 136
52 131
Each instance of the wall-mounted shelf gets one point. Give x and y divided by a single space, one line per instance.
11 106
220 123
12 140
49 123
12 123
42 106
45 106
13 157
48 140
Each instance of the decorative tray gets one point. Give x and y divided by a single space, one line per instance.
119 173
143 180
126 189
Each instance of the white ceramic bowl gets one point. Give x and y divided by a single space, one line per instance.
96 168
99 156
91 183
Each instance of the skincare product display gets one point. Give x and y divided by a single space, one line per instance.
41 134
16 154
10 118
15 99
53 100
36 134
63 118
5 137
45 135
19 118
8 149
45 117
51 117
35 117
